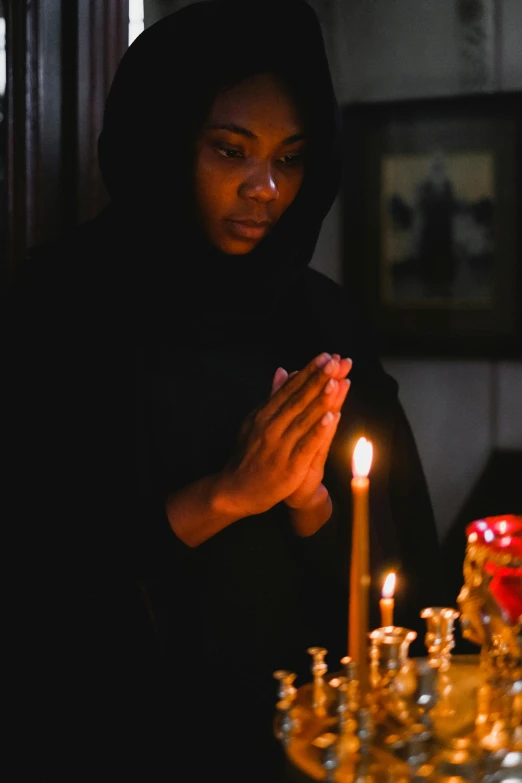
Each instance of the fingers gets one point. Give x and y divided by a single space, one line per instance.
323 446
337 399
331 400
345 365
343 387
320 456
340 371
315 369
317 440
343 383
338 385
277 410
299 399
280 377
299 391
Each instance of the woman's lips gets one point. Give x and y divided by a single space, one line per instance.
247 230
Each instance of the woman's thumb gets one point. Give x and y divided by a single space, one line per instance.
280 376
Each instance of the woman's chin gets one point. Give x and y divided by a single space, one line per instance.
236 247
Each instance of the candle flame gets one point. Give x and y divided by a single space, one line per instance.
362 457
502 527
388 587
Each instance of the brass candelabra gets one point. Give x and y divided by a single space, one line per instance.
444 718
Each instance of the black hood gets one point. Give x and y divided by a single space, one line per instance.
160 96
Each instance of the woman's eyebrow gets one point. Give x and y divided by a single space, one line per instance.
233 128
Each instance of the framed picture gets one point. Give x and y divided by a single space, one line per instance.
431 220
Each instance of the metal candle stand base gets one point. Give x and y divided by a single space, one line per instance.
442 718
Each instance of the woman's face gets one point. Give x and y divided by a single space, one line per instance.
249 163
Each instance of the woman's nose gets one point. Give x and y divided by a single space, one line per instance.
260 183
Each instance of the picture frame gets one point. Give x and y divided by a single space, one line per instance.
431 226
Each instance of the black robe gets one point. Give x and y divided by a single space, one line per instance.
134 351
103 433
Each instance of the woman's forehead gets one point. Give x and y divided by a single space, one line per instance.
261 99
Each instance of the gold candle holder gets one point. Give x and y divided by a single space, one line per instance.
439 641
389 653
439 637
319 669
285 724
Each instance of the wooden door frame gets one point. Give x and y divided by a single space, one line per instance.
61 56
22 105
103 32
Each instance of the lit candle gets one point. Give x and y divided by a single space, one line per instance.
387 603
360 561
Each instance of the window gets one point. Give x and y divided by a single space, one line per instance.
136 16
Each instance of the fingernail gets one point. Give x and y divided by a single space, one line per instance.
327 418
347 358
330 366
323 359
330 386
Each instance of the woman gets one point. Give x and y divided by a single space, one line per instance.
213 390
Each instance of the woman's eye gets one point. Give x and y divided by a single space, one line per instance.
227 152
232 153
292 160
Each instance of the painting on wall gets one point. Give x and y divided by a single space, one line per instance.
431 195
437 228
